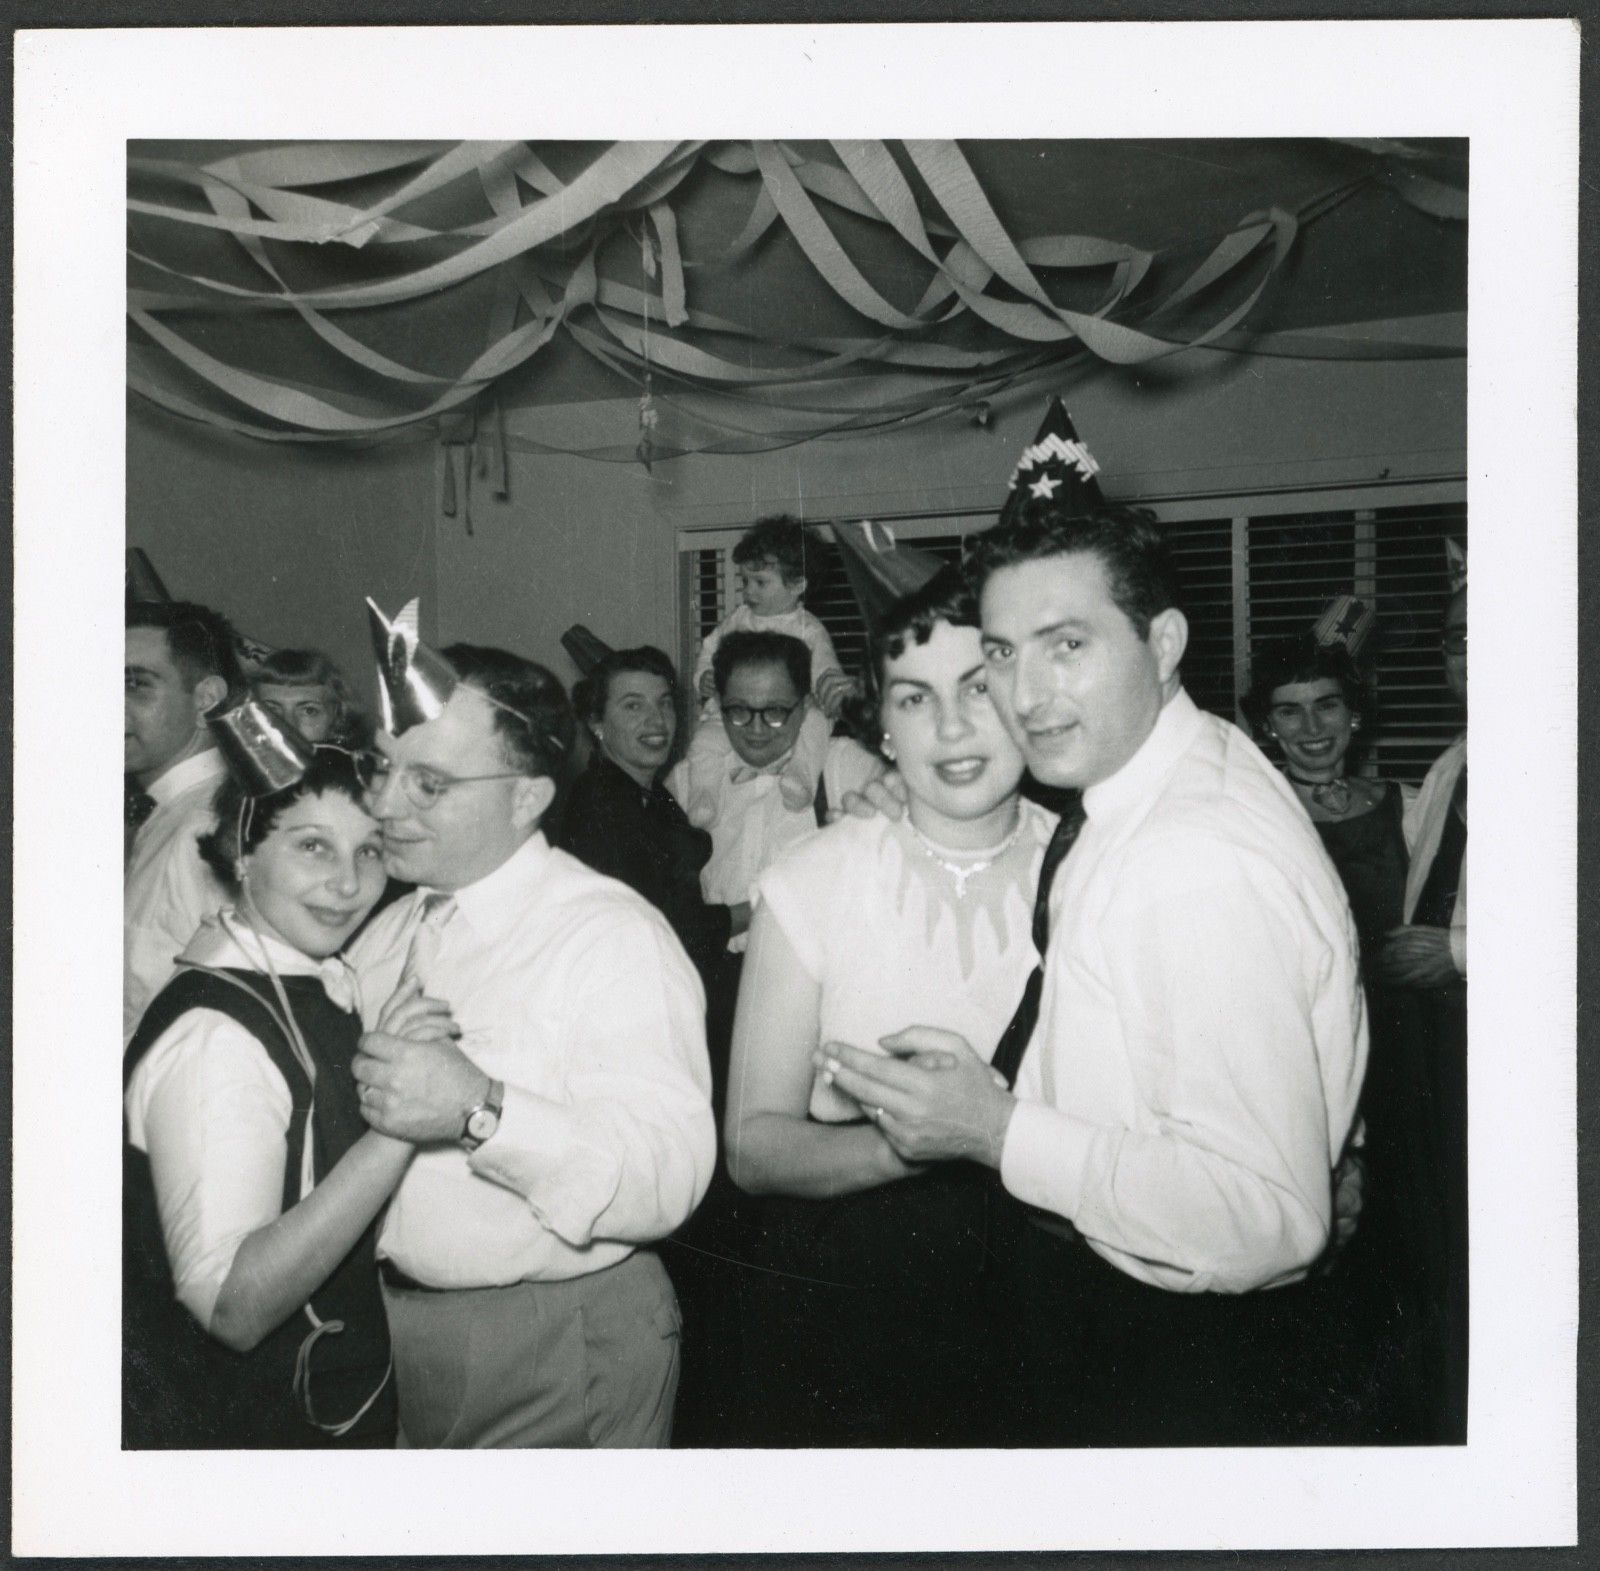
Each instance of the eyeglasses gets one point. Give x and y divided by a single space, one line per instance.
1454 641
773 716
423 787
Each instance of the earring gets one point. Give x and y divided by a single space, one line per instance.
1355 722
888 747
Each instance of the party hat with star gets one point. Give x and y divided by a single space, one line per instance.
1344 620
1056 467
263 753
880 569
414 682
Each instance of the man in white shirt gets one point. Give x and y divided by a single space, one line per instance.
178 666
1201 1037
763 685
567 1122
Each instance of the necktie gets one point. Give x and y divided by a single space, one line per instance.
437 909
1016 1036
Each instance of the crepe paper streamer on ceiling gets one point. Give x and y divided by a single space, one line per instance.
634 178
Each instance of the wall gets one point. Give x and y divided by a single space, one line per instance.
286 539
585 541
289 539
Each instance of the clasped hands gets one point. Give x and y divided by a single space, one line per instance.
415 1083
932 1098
1415 956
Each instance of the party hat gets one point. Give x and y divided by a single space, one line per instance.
585 650
1455 556
1344 620
880 570
414 683
1055 466
142 583
264 753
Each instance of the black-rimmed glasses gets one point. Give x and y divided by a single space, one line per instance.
773 716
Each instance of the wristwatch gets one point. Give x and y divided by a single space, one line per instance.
484 1119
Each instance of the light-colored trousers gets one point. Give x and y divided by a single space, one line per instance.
588 1362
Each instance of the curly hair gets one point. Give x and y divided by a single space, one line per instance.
1127 541
780 542
238 833
946 597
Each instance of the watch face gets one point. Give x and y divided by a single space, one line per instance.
482 1123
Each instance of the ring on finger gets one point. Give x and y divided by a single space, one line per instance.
877 1115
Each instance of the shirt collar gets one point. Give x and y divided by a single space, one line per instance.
1175 728
227 939
498 898
191 771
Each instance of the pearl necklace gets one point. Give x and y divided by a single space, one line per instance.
1332 796
963 871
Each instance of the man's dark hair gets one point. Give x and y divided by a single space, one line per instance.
201 641
532 717
330 769
1303 659
779 649
780 542
1127 541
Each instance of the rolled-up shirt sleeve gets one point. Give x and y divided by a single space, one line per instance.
212 1113
618 1142
1226 1186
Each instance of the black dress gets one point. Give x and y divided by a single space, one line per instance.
181 1388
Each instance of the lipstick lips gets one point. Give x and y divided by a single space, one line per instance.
329 917
961 771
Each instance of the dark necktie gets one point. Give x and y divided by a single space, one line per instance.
137 806
1016 1036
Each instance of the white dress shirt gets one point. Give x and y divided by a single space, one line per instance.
210 1109
753 828
1424 826
1202 1035
574 992
167 890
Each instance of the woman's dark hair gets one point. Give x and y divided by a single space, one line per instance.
946 597
1302 659
331 769
1128 542
592 692
532 717
312 668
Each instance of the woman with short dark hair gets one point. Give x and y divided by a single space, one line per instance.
252 1186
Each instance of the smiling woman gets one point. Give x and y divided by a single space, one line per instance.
251 1313
868 1324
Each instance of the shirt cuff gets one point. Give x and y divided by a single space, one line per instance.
1043 1159
541 1151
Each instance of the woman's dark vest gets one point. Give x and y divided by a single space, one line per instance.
182 1389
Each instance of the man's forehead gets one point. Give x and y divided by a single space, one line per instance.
148 647
463 733
762 680
1022 597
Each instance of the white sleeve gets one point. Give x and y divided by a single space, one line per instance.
815 636
626 1152
212 1112
1231 1191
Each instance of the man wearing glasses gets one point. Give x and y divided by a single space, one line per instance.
763 683
549 1063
